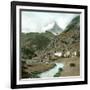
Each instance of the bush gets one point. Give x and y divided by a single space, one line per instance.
35 74
72 65
25 74
60 69
27 52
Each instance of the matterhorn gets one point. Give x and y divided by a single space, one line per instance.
53 27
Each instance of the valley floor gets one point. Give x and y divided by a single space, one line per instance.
39 67
71 66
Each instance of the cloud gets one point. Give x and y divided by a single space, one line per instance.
34 21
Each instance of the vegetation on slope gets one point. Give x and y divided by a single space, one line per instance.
33 42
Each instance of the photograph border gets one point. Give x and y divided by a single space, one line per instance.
13 44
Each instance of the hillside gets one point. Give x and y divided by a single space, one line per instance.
33 43
69 40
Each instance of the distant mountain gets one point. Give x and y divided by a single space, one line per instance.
53 28
68 40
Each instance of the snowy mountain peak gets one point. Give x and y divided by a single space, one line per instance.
53 28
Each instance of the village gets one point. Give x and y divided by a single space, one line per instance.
57 55
69 60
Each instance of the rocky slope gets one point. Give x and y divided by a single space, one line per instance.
69 40
33 43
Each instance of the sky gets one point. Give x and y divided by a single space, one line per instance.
33 21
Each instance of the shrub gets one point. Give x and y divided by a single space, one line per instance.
35 74
72 65
25 74
59 72
60 69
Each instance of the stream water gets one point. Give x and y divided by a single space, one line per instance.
51 72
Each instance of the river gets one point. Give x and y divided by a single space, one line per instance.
51 72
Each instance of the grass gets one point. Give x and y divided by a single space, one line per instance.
31 75
35 74
25 74
32 70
